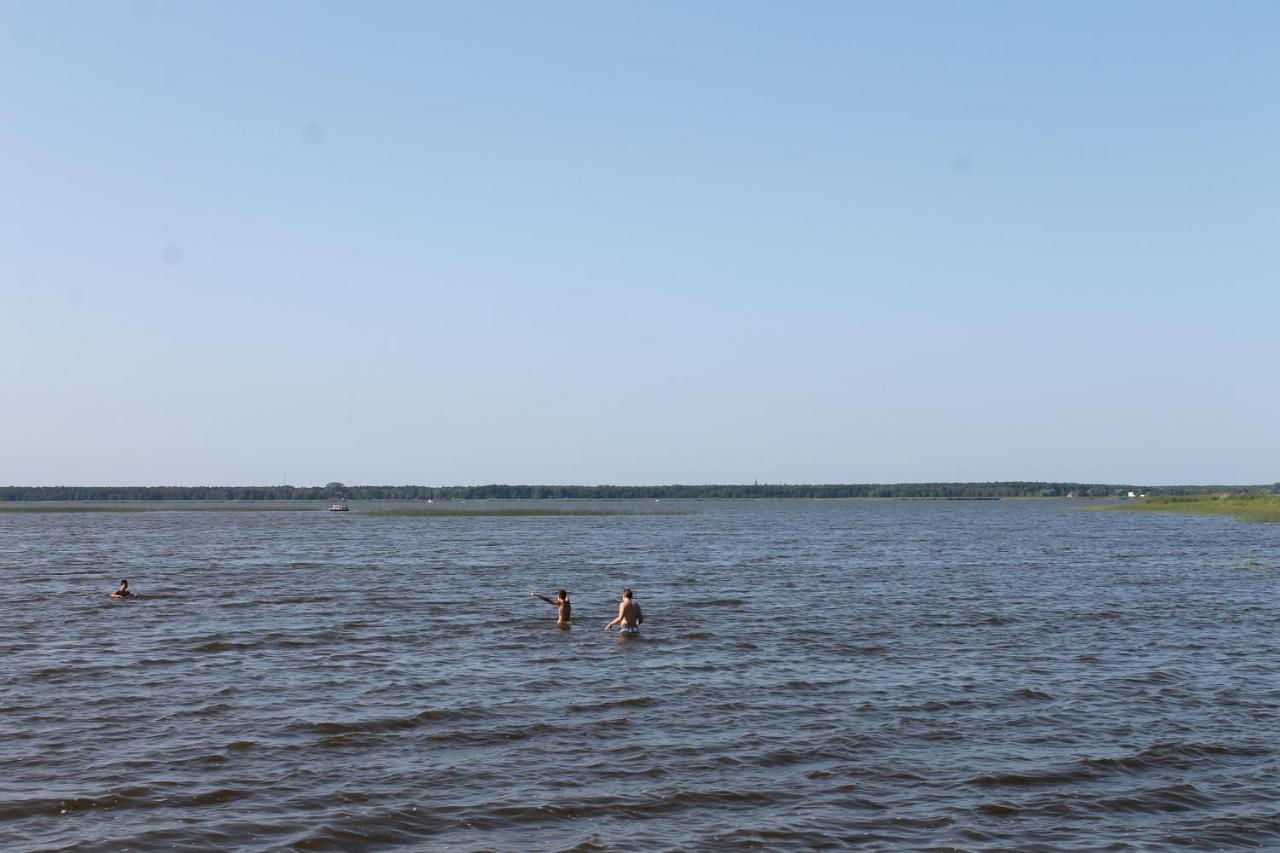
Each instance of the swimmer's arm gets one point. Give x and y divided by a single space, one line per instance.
617 620
543 597
639 615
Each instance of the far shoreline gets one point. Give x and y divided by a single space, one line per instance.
284 495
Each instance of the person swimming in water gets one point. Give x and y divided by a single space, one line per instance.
629 617
123 591
561 603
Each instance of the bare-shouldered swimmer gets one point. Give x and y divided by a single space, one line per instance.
123 591
561 602
629 617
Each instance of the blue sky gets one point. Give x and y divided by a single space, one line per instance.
452 243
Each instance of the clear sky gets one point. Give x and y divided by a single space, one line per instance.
638 242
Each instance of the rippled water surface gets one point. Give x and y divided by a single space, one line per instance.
894 673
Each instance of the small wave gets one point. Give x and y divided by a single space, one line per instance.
1169 798
630 702
697 635
110 701
933 705
33 806
1032 779
610 723
634 807
1032 694
394 724
864 650
206 711
998 809
1176 754
786 757
500 735
1236 831
724 602
377 830
942 734
789 838
1155 676
220 646
804 686
724 761
216 797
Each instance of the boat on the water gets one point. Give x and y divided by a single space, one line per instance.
340 506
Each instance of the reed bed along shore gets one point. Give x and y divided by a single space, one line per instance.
1247 507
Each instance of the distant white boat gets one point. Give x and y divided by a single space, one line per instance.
340 506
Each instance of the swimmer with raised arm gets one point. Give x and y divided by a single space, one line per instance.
123 591
561 602
629 617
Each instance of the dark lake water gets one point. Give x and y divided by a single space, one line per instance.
891 673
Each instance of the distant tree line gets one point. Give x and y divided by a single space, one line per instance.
336 490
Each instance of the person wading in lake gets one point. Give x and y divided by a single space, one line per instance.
629 615
561 603
123 591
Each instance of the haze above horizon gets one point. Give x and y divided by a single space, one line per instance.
638 243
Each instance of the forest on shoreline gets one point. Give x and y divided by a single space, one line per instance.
336 491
